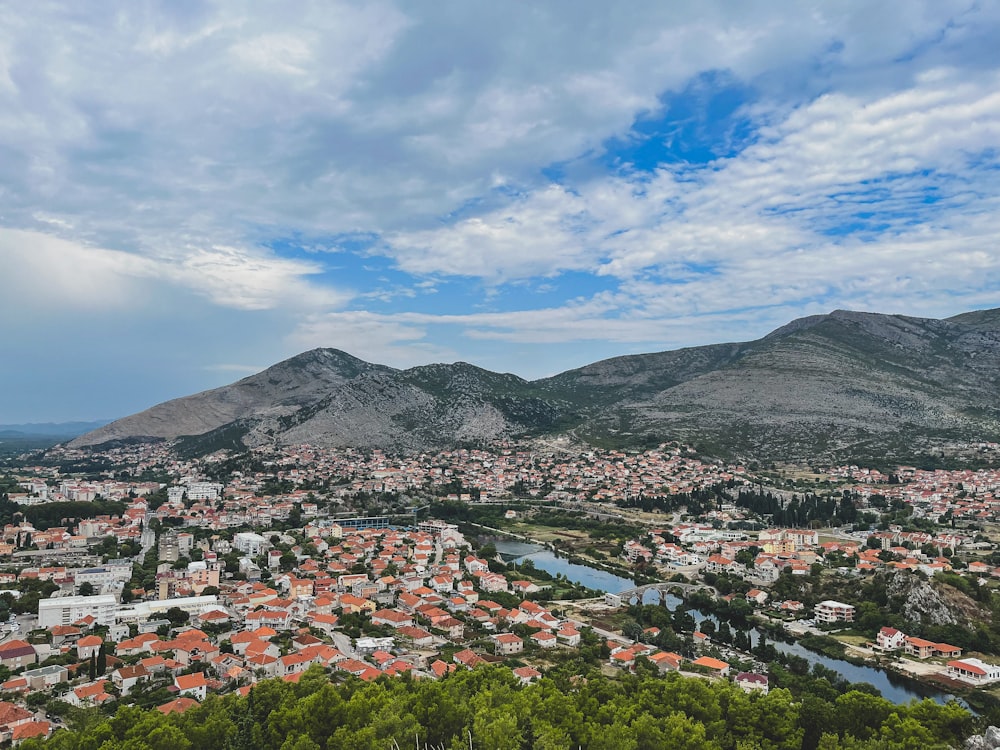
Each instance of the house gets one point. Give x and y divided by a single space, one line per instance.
714 666
476 565
623 658
138 645
267 665
31 730
920 647
720 564
392 617
43 678
527 674
468 658
11 717
88 646
757 597
15 685
749 682
545 639
125 678
492 582
506 644
293 663
666 661
194 685
177 705
453 627
16 654
973 671
569 635
419 637
978 567
64 634
524 587
93 694
890 639
831 611
354 667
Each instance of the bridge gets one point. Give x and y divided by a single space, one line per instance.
663 590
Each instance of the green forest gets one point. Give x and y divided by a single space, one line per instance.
488 709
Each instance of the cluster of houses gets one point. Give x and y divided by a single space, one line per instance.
596 475
971 671
419 595
417 592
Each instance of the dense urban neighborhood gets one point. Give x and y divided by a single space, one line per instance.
136 575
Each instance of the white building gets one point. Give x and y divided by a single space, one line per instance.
250 544
890 639
973 671
204 491
103 576
65 610
447 534
141 611
831 611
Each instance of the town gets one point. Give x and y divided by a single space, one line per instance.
135 575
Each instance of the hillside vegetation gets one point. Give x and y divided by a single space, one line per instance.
487 709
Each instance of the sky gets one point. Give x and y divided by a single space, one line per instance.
193 191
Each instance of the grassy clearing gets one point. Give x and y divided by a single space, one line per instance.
853 640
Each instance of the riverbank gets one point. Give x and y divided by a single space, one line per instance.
630 578
898 686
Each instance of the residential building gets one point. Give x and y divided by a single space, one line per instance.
749 682
715 666
250 543
973 671
831 611
890 639
506 644
193 685
65 610
16 654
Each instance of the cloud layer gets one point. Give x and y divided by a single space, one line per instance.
527 187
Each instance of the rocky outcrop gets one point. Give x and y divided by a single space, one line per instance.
932 602
921 602
988 740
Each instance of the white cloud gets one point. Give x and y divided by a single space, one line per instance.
42 273
384 339
155 150
275 53
65 275
755 230
253 281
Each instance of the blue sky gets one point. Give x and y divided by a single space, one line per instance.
192 191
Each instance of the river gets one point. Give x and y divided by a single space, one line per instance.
891 686
543 559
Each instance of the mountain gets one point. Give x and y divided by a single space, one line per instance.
843 385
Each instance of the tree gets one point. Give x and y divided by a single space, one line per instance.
102 660
176 616
86 589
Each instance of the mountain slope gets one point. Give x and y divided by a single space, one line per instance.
839 385
278 391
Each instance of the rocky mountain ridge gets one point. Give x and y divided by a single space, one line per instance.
840 385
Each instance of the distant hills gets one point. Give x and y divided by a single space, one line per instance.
847 385
50 429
